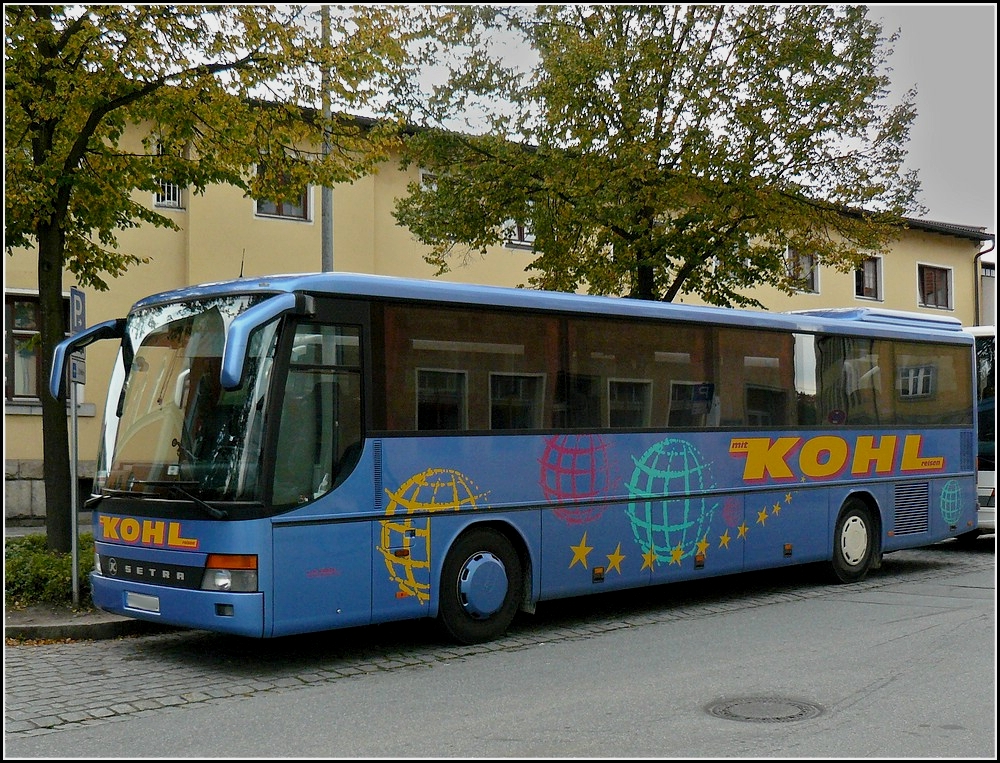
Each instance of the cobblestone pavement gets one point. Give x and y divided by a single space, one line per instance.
54 686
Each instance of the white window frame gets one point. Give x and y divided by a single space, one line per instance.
949 287
917 382
860 273
307 205
537 404
646 387
793 267
463 393
168 196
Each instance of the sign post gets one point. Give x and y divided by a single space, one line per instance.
77 375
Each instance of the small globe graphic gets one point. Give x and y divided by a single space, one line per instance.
429 492
951 501
660 523
575 468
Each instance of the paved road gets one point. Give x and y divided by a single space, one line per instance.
400 690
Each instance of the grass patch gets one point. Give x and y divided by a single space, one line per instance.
35 575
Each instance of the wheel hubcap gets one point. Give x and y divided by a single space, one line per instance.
482 585
854 541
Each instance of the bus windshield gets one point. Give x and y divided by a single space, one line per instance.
178 431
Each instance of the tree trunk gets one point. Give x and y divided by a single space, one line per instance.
55 429
645 283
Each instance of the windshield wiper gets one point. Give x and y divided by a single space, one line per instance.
176 487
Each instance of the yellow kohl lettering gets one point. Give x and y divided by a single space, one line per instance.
784 458
148 532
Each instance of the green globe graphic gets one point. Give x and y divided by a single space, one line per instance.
406 540
951 501
660 523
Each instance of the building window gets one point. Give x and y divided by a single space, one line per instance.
428 181
629 403
520 234
295 206
935 286
516 401
168 195
868 278
441 399
22 353
801 269
916 381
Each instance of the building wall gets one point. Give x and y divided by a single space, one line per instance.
220 236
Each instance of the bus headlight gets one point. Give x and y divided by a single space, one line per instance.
234 573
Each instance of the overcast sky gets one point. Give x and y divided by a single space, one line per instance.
950 54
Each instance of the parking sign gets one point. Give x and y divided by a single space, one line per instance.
77 323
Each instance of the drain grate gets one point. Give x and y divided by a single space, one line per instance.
764 709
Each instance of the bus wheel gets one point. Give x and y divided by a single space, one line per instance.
854 542
481 584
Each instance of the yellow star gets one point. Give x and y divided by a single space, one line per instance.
648 559
615 559
776 509
788 497
580 552
676 554
762 516
743 530
703 545
724 540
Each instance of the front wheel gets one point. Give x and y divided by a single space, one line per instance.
481 584
854 543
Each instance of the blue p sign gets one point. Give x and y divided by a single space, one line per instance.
77 311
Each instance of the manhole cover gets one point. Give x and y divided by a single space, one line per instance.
764 709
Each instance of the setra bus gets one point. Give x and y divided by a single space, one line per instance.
308 452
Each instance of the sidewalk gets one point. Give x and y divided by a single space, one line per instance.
61 621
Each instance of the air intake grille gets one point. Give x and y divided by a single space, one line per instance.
377 453
912 508
966 451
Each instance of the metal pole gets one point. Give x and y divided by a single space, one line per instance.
74 489
327 192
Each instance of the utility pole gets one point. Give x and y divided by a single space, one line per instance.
326 214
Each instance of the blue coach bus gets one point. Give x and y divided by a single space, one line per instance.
308 452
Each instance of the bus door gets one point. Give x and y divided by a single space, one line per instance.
321 476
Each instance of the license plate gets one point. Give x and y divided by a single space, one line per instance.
142 601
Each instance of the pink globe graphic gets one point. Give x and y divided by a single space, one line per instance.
575 468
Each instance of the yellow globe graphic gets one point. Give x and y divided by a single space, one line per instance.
406 540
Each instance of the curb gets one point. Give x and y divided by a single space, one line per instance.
106 629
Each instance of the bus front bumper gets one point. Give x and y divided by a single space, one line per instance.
237 613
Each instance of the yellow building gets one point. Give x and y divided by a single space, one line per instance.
933 267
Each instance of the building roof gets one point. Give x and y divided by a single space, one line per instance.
950 229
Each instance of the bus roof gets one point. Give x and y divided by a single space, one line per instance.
990 330
863 321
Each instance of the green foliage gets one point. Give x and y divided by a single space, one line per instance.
35 575
658 150
217 90
220 88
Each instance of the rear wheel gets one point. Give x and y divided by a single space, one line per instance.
481 584
854 542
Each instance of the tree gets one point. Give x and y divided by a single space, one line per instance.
660 150
221 89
